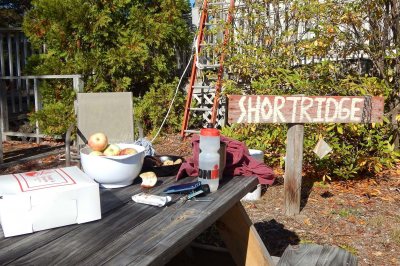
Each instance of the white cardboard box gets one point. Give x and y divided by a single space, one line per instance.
40 200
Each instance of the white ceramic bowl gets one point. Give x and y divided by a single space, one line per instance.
113 171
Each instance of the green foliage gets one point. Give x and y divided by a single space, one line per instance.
57 113
152 108
357 149
292 54
11 12
118 45
265 137
54 118
349 248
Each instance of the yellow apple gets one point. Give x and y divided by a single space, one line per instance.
96 153
98 142
111 150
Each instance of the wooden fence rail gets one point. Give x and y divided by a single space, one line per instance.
15 103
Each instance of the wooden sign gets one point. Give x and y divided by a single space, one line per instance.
295 111
304 109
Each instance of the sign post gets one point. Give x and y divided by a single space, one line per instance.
295 111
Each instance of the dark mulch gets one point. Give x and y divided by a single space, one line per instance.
361 216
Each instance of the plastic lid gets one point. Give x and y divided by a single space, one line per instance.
211 132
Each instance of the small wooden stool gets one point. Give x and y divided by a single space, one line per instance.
316 255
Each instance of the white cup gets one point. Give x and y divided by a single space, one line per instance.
256 194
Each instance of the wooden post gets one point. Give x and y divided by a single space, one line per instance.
242 239
3 100
77 84
293 169
11 70
1 148
37 106
3 109
18 64
2 65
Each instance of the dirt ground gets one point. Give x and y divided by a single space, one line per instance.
361 216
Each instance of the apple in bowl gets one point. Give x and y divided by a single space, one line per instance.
112 171
96 153
112 150
127 151
98 141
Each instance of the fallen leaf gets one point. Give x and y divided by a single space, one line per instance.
363 200
386 198
351 219
307 221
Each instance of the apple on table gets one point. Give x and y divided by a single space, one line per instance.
149 179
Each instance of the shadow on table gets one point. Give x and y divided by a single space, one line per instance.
275 237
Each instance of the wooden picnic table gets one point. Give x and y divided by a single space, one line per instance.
138 234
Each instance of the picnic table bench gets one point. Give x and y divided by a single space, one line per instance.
137 234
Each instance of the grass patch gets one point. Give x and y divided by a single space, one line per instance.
306 241
321 184
377 221
346 212
349 248
395 235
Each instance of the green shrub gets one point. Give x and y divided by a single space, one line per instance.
54 118
357 149
57 113
266 59
152 108
266 137
115 45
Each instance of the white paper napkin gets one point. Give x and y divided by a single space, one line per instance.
151 199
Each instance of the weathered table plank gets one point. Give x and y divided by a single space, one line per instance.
164 235
128 232
14 247
316 255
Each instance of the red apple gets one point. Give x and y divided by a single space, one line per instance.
112 150
98 142
128 151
